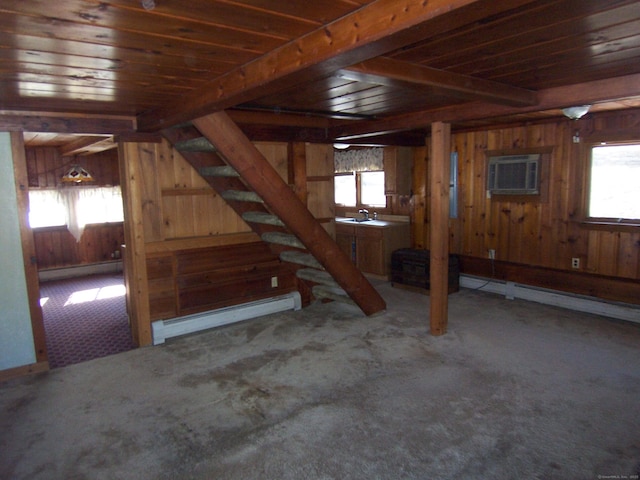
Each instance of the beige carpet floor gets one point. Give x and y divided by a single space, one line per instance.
513 390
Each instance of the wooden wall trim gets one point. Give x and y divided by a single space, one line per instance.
600 286
16 372
201 242
28 246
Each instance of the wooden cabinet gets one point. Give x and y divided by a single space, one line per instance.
369 244
398 163
188 281
346 240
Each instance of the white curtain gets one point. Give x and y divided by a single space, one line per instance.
76 207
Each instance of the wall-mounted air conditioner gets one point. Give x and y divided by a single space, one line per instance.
513 174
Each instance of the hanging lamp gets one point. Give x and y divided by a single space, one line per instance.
77 174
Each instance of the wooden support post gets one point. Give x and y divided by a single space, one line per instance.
439 167
298 169
135 261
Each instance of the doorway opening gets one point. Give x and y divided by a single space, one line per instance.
85 318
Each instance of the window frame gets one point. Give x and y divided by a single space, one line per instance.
604 222
359 204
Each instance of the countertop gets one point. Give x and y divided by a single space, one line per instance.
369 223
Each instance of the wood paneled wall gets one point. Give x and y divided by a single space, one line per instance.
55 246
545 231
45 167
173 212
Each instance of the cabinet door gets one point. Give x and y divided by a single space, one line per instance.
347 244
370 250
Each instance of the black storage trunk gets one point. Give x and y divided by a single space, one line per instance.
411 267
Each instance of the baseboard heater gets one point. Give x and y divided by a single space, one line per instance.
163 329
580 303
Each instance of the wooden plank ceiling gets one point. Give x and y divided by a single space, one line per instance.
358 70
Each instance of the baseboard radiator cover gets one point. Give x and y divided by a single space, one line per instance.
580 303
163 329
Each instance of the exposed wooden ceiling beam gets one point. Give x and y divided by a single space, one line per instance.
391 72
552 98
373 30
44 123
83 145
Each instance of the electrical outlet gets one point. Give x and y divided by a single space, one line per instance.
575 262
274 282
492 254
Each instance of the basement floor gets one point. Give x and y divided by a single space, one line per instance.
514 390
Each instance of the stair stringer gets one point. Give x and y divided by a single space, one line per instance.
236 150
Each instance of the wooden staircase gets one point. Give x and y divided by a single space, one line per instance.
241 175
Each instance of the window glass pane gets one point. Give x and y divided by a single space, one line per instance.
100 205
345 190
615 176
373 189
46 209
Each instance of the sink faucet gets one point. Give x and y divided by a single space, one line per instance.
365 213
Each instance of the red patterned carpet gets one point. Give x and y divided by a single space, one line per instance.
84 318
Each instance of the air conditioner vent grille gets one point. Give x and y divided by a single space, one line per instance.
513 175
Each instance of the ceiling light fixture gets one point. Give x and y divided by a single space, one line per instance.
574 113
77 174
148 4
341 146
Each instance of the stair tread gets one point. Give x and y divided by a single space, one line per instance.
219 171
332 293
199 144
282 239
317 276
300 258
262 217
241 196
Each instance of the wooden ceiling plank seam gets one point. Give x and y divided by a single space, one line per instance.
321 11
144 22
608 69
105 36
518 48
82 144
142 79
373 30
428 46
126 48
134 56
387 71
501 36
94 70
77 62
566 64
528 51
92 125
557 97
328 102
113 96
27 77
315 91
227 14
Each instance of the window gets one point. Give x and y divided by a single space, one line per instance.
345 189
360 189
75 207
359 178
614 192
372 189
